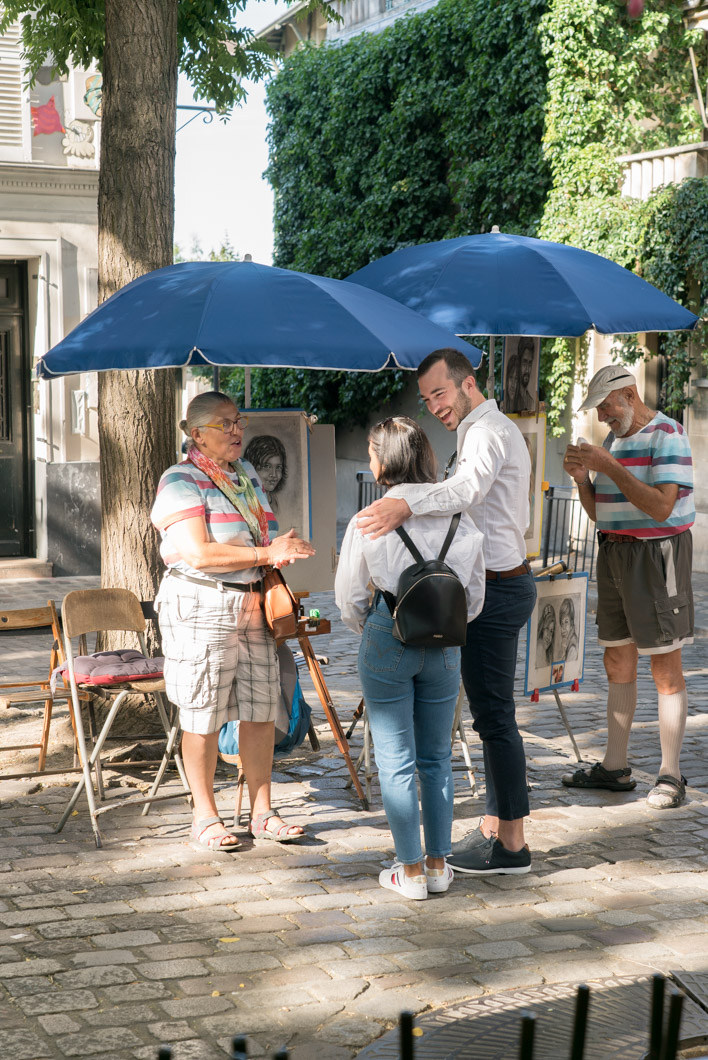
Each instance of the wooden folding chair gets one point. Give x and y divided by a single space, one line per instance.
36 689
101 610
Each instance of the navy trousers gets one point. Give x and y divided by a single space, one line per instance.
488 668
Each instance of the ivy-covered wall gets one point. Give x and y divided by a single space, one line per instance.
482 112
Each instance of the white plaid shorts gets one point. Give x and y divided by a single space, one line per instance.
220 657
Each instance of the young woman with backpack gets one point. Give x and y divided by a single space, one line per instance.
410 691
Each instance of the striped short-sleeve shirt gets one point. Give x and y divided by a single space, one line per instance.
185 492
659 453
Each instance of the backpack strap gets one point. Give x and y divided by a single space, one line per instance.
409 545
454 523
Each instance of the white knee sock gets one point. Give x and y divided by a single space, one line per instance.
621 705
672 725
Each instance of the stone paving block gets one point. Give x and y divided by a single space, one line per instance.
277 907
176 1031
126 939
23 1045
100 1041
58 1024
163 903
557 943
54 898
508 930
423 959
373 946
28 917
310 955
239 962
366 967
172 969
490 951
321 936
136 991
337 989
568 909
187 1007
120 1016
93 958
22 969
72 929
346 899
175 951
194 1049
95 977
58 1001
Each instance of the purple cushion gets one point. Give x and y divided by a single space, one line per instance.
114 667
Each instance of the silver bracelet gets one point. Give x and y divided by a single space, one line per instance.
255 556
586 480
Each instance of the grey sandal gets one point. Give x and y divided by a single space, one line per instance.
278 834
599 777
667 793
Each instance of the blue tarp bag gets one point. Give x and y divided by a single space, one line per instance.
292 720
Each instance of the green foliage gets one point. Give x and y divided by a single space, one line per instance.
493 111
215 52
621 86
424 131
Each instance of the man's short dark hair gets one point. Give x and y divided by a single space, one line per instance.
458 367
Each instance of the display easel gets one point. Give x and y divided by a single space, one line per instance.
313 627
553 571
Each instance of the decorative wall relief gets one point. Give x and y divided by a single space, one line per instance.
78 140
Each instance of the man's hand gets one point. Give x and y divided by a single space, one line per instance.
382 516
574 464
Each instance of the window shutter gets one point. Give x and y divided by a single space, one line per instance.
11 95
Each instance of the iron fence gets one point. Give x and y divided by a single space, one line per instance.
568 534
368 489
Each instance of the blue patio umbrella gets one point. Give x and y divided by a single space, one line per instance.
498 284
229 313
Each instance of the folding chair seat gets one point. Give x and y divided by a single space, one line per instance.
35 688
117 610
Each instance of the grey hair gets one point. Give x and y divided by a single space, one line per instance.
200 409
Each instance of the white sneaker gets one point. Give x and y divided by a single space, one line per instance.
438 880
395 879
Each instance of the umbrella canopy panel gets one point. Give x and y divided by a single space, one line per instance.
496 284
241 313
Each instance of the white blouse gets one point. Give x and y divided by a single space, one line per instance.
381 562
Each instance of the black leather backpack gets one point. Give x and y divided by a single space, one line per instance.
429 609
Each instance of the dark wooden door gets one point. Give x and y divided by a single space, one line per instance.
15 446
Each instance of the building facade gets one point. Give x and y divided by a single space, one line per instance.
49 158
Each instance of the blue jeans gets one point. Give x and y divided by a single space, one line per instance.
410 696
488 668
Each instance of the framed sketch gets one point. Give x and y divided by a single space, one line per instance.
534 432
555 640
522 358
277 443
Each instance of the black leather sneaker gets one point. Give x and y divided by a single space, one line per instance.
491 858
474 838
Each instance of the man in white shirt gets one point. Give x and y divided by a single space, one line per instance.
491 483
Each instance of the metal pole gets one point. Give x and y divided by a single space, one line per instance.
247 388
490 377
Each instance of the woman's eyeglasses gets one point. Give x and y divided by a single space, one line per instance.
228 425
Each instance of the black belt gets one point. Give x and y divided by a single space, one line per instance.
240 587
617 539
523 568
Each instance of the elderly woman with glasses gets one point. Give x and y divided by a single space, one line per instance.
220 657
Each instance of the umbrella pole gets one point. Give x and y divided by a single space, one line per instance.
490 377
247 388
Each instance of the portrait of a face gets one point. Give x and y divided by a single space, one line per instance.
276 444
521 361
556 632
267 454
546 636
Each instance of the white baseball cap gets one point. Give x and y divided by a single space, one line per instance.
612 377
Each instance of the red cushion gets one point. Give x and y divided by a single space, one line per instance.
115 667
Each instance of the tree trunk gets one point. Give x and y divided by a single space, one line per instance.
136 409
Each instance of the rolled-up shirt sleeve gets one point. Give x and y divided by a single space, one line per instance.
479 464
351 583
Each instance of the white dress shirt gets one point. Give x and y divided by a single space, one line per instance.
381 562
491 483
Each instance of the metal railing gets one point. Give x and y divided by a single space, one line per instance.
368 489
568 534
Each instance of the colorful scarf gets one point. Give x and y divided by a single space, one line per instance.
243 497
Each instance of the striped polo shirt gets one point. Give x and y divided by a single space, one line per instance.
185 492
660 452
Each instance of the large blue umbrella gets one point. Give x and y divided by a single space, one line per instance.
231 313
497 284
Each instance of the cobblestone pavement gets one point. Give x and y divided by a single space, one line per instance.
111 952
